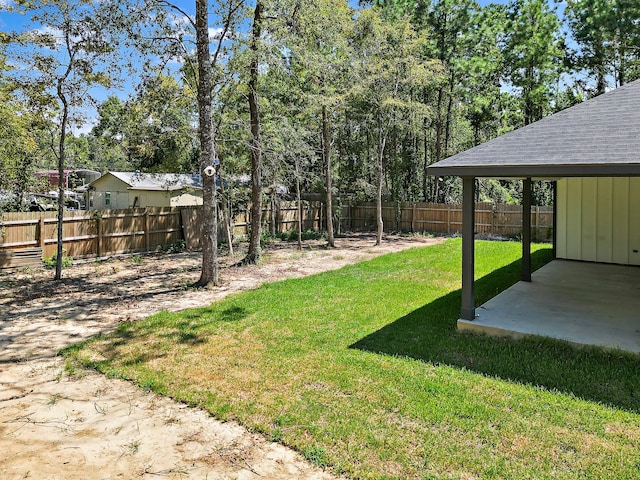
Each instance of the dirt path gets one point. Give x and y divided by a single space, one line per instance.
60 424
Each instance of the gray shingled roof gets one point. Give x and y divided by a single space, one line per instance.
159 181
599 137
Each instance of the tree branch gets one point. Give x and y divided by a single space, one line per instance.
179 10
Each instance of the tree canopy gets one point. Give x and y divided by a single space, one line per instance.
353 103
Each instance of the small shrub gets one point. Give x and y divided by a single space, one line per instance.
50 262
292 235
238 239
178 247
265 237
136 259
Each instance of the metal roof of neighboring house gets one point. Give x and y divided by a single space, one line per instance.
158 181
598 137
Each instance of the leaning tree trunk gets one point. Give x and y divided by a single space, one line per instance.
61 160
209 236
256 149
62 153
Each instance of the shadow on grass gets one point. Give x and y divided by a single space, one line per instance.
190 328
186 331
429 334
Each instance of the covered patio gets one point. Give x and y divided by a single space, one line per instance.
592 153
579 302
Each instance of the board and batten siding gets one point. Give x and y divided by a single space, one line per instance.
599 220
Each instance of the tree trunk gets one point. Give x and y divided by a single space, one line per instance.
274 215
326 150
438 119
209 235
380 174
299 203
256 149
528 101
622 70
447 134
61 161
601 82
425 146
226 217
62 152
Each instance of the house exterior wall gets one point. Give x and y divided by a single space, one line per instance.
112 193
186 199
599 220
176 198
149 198
118 194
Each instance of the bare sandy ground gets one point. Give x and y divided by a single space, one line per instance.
56 423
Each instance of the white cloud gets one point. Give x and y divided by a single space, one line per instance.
50 31
181 21
215 33
47 30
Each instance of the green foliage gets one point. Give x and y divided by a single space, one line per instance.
402 83
292 235
50 262
20 130
265 237
178 246
152 132
533 54
608 40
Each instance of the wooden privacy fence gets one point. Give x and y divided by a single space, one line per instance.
89 233
27 237
491 219
276 217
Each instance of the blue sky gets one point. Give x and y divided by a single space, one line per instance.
16 22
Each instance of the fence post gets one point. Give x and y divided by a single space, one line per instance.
413 218
147 240
449 219
41 239
352 215
536 227
493 219
99 235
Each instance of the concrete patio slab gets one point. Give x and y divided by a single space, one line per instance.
579 302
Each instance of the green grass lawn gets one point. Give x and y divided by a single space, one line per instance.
362 370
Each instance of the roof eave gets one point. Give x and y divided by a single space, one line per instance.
537 171
165 189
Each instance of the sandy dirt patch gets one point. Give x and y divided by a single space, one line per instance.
56 424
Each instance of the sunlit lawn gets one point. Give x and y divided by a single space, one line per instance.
362 370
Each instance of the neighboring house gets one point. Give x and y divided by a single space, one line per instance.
121 190
73 179
592 152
